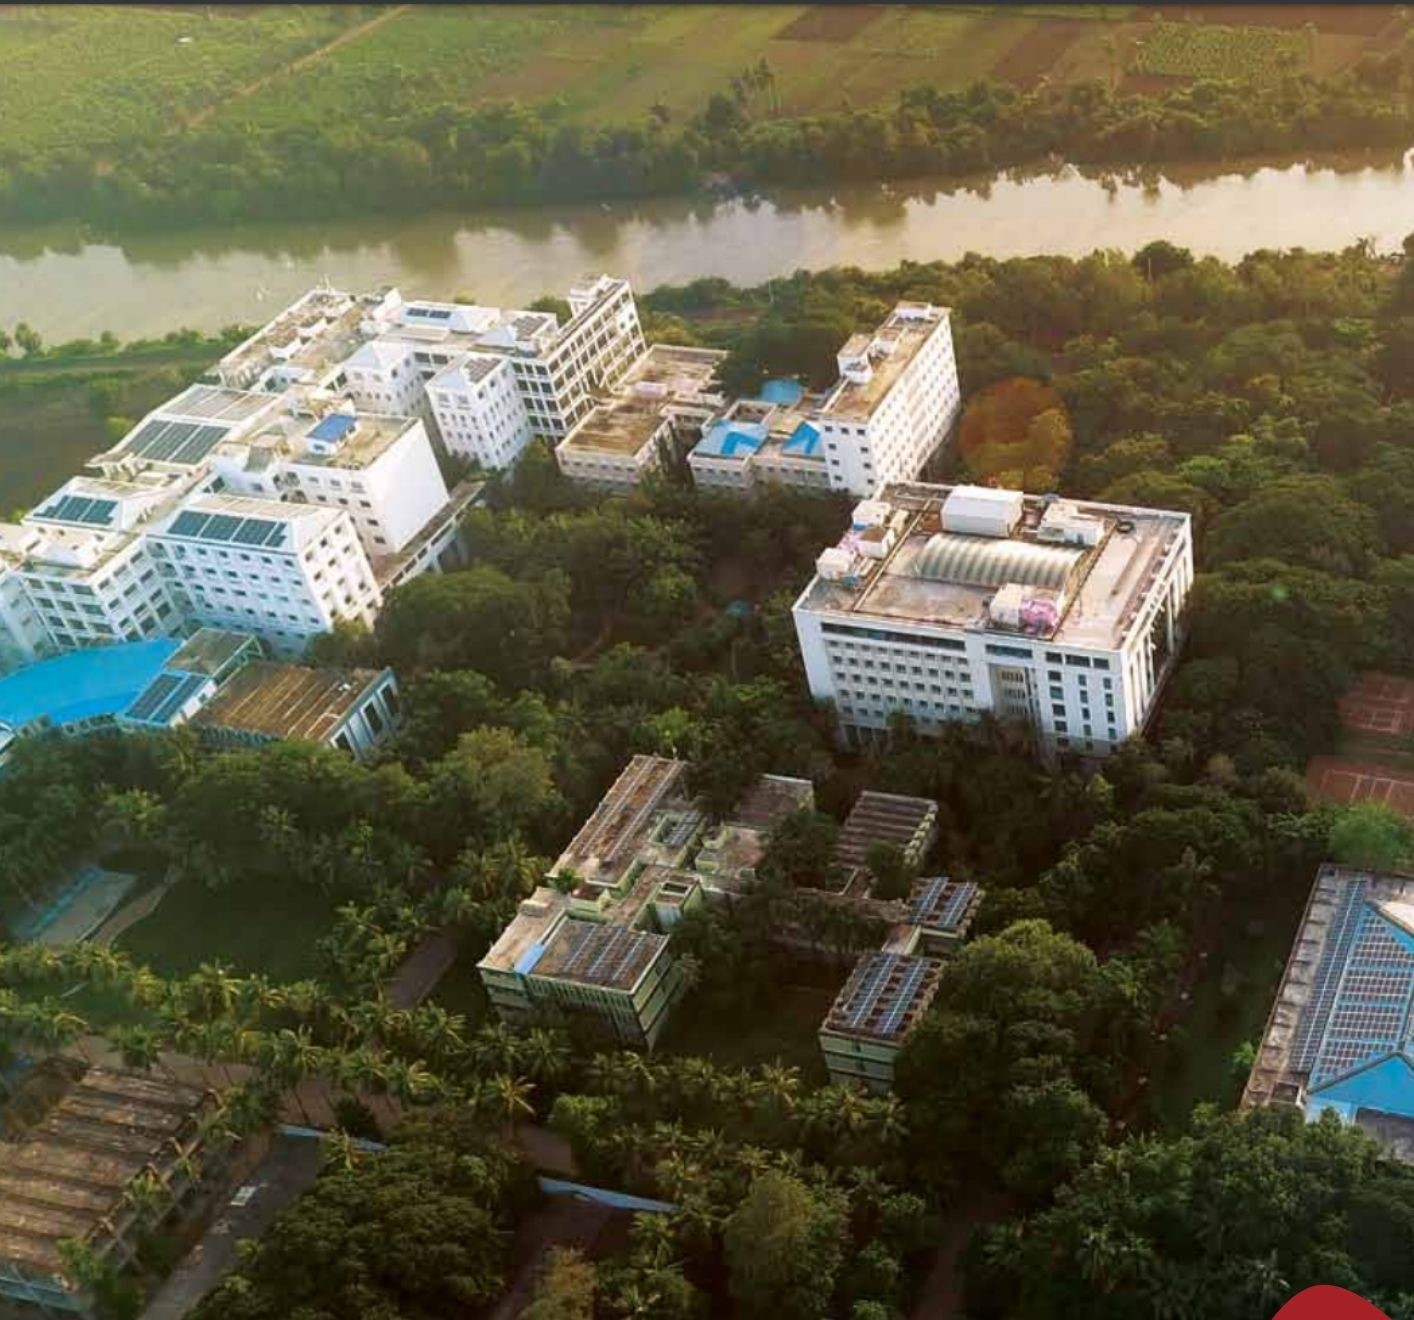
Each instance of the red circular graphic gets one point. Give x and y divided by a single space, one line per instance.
1327 1302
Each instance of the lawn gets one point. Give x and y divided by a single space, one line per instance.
1229 1007
92 75
785 1030
269 927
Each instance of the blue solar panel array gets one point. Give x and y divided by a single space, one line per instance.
1328 975
255 533
942 903
164 697
165 441
81 509
1369 1012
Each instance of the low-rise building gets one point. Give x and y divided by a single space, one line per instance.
881 1003
355 710
888 992
218 681
1338 1036
942 603
643 858
909 824
109 1155
656 409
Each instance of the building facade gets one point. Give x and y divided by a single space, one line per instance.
944 603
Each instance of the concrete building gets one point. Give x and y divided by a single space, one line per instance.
881 1003
943 603
909 824
490 380
217 681
355 710
657 409
78 1140
896 400
889 412
595 937
1338 1037
285 571
888 992
91 564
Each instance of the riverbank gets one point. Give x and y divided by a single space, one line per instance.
67 286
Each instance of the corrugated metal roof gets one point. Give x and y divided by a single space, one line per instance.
978 561
82 685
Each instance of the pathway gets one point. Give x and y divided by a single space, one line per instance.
422 969
941 1295
288 1170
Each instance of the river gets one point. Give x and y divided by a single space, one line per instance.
68 286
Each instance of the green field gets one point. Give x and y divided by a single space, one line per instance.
89 76
269 928
1193 50
95 76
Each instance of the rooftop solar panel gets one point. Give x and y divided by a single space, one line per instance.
187 687
903 998
188 523
229 529
163 440
81 509
152 696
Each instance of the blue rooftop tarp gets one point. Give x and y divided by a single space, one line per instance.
783 391
82 685
804 440
731 440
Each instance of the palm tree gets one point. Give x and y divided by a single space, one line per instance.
214 988
547 1056
139 1047
510 1099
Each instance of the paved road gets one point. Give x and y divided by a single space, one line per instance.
287 1171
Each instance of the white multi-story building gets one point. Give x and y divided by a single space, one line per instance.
491 380
285 571
892 407
382 469
941 603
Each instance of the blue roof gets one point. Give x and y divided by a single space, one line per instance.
805 439
333 428
82 685
782 390
731 440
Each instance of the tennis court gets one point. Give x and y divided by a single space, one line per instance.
1379 703
1336 779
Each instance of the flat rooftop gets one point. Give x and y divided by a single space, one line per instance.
587 953
1344 1008
621 826
66 1176
209 650
943 905
770 798
885 996
620 426
946 580
359 439
286 701
890 349
882 818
